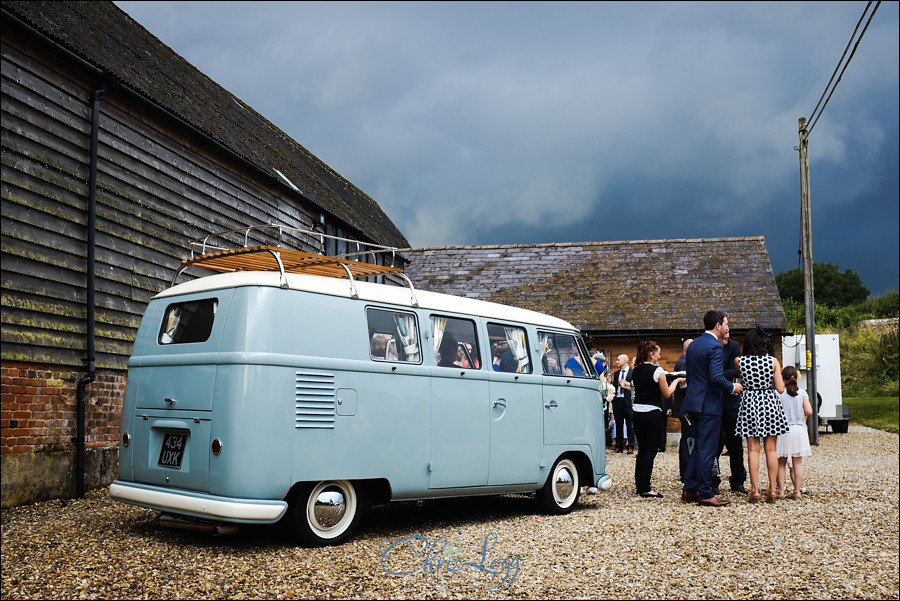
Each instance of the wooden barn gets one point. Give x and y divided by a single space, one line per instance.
116 154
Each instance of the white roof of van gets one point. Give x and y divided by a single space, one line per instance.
367 291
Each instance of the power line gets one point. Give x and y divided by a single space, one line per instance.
813 117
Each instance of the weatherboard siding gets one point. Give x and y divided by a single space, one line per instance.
158 187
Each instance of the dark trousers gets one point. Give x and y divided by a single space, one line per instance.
646 429
623 413
697 477
664 423
688 439
735 446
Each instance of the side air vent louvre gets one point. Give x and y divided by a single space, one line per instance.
314 401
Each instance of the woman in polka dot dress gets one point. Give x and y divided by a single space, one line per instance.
761 414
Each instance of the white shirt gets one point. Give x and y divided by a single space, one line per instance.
623 377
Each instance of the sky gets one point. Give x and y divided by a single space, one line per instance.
475 123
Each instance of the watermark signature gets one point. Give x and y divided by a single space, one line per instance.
417 554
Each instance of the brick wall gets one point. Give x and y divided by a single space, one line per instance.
670 347
38 427
38 408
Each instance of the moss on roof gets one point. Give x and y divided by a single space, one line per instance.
643 285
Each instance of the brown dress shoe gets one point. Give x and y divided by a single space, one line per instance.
689 497
630 451
713 502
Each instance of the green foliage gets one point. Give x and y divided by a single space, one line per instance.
875 412
870 362
831 287
844 317
795 315
870 358
885 306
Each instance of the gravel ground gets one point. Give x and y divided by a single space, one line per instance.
839 542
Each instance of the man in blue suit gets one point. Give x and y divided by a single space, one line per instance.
703 403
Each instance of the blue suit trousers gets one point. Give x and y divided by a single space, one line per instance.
697 477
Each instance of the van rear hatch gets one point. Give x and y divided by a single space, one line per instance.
172 426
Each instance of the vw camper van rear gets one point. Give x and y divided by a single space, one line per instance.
265 396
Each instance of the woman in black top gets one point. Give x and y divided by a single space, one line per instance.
650 390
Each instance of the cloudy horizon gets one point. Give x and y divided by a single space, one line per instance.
475 123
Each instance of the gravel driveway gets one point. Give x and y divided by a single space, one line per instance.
840 541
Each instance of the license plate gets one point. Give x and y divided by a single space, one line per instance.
172 451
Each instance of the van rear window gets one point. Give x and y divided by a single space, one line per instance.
188 322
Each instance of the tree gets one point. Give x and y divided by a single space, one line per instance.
832 288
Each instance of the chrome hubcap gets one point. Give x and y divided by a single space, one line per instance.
565 483
330 507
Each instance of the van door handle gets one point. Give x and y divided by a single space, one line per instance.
500 403
168 400
551 405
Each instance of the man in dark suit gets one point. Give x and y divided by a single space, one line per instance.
727 438
622 411
703 402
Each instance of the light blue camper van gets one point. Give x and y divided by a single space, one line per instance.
275 391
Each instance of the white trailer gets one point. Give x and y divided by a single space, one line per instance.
828 376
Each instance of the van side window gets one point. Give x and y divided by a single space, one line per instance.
455 342
561 355
393 336
509 348
188 322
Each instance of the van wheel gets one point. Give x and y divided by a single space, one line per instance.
560 493
323 514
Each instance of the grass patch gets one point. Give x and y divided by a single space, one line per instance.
881 412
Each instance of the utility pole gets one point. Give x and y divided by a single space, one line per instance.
806 252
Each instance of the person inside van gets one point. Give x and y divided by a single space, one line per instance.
464 353
573 366
550 360
508 361
379 345
448 351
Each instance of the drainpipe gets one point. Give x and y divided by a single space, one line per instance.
81 393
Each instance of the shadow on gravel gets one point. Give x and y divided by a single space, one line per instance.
395 520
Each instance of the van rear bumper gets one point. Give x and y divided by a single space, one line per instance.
210 507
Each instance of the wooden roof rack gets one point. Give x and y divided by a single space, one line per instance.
284 260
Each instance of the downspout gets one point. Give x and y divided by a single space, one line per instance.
90 269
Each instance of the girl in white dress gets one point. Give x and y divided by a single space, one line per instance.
794 445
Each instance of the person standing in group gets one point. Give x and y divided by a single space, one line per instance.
703 406
599 363
622 412
731 350
687 431
650 391
794 445
761 414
